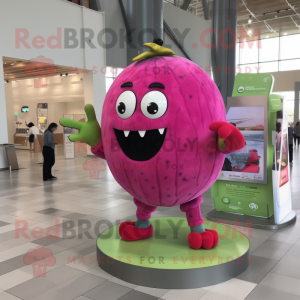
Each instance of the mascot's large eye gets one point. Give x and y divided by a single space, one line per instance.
154 105
126 105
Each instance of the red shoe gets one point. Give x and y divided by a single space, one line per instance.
195 240
129 232
122 226
215 236
206 240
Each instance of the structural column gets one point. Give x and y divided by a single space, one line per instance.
224 37
3 120
297 99
145 20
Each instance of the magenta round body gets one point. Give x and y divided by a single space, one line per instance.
188 163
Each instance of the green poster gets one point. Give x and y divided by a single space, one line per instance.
252 85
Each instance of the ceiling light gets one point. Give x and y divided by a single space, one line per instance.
267 36
12 64
250 20
285 33
249 32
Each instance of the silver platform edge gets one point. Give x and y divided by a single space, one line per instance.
174 278
250 221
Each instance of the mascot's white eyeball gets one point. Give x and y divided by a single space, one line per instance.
154 105
126 105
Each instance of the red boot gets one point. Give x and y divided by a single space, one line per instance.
129 232
206 240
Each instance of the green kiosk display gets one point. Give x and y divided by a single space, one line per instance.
253 187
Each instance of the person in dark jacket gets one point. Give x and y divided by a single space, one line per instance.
297 132
291 150
48 152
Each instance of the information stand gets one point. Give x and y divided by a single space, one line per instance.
252 189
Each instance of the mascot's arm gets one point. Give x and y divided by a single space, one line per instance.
89 132
229 139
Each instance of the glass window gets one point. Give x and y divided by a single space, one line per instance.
108 82
119 71
270 55
269 49
289 46
237 54
248 52
249 68
111 74
268 67
289 65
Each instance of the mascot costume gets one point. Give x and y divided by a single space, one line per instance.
164 136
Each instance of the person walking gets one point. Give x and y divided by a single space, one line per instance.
294 136
48 152
291 149
297 132
32 132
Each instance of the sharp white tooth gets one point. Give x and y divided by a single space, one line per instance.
161 131
142 133
126 133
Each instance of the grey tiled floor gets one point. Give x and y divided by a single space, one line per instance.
273 272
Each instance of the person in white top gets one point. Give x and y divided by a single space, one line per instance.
32 132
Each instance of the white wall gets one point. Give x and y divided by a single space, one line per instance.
285 80
58 89
75 108
44 18
11 118
58 108
182 20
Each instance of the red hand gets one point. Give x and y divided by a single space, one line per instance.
229 135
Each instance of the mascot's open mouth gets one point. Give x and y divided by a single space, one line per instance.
141 145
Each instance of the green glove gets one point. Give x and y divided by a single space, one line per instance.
89 132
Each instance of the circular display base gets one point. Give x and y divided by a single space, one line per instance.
166 261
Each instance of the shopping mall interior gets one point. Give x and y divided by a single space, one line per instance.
149 150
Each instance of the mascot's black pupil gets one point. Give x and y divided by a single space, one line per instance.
121 108
152 108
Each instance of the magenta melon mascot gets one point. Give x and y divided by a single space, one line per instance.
164 136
